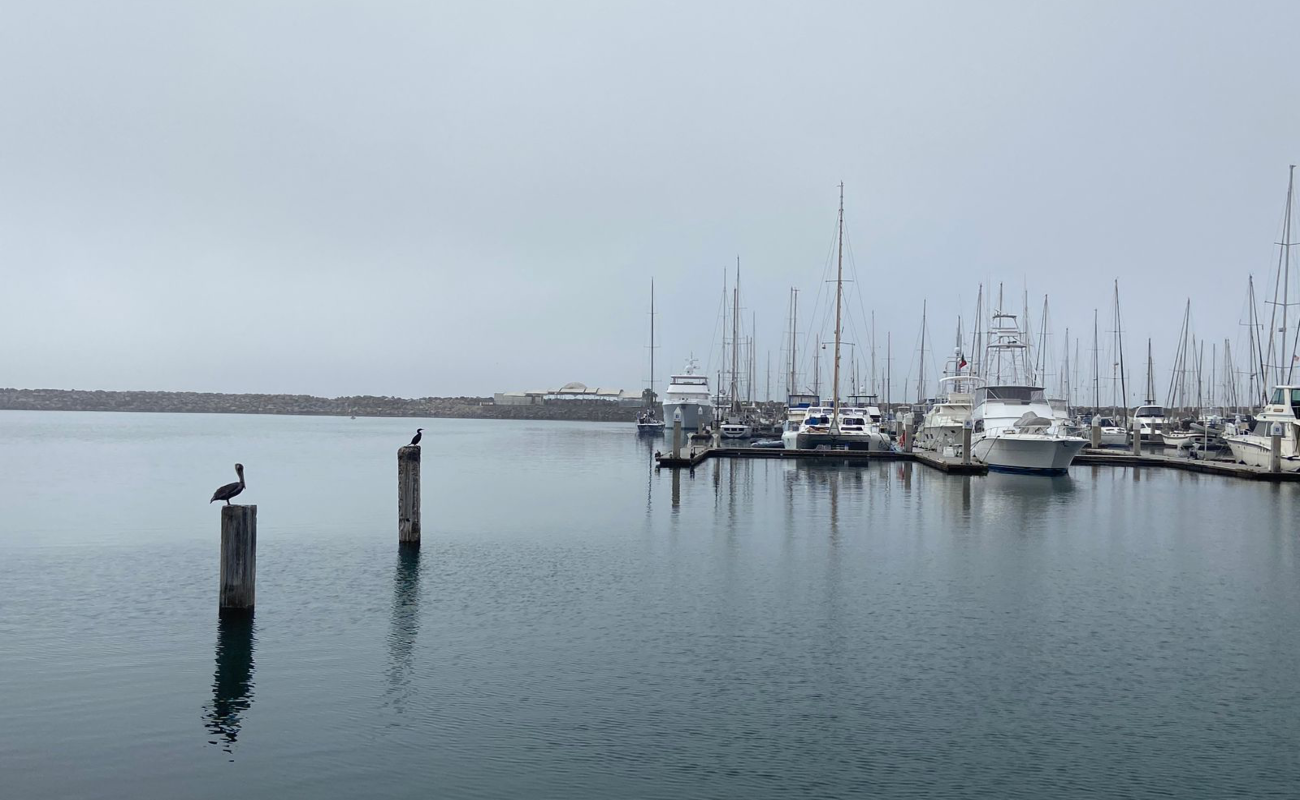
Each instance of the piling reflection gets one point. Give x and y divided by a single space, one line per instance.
677 490
232 684
404 624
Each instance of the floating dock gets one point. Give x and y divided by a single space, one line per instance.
956 466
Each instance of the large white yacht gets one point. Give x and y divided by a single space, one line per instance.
1255 448
942 425
689 392
1014 426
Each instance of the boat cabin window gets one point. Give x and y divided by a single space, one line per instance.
979 425
1149 411
1280 397
1011 394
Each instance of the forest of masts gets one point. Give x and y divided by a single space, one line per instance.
1091 369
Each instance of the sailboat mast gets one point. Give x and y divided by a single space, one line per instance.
1119 345
1151 383
652 344
1286 273
794 333
839 292
735 341
1096 389
920 380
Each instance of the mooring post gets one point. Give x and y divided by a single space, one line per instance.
965 442
677 433
408 494
1137 440
911 438
1096 432
1275 448
238 559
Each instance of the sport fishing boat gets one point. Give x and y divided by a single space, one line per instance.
1256 447
688 392
1014 426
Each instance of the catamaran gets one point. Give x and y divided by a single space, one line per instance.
837 426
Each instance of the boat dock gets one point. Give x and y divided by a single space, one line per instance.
956 466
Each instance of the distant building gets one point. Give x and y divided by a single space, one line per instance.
569 393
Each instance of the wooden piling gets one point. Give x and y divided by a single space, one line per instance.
965 443
238 559
1096 432
1275 452
677 435
408 495
1137 440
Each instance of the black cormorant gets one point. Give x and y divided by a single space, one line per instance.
418 433
230 489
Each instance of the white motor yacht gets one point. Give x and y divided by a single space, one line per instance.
1112 433
1256 447
1014 426
688 392
942 425
1149 422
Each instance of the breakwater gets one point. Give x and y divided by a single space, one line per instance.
302 404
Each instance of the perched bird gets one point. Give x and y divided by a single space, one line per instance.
230 489
418 433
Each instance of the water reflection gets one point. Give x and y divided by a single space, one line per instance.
232 684
404 624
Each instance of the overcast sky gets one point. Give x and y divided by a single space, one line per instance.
415 198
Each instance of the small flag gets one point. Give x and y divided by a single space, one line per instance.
961 363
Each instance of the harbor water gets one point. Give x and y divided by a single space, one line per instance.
577 625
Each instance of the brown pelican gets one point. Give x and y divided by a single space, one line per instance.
230 489
418 433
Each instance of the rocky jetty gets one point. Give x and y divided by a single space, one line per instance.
361 406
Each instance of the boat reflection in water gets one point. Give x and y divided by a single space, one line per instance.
232 684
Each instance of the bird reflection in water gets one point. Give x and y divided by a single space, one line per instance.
232 684
404 624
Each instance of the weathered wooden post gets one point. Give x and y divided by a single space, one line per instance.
408 494
1275 448
1096 432
238 559
1137 440
677 433
910 444
965 442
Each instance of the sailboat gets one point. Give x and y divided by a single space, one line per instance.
837 427
734 424
647 422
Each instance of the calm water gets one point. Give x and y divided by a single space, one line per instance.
577 626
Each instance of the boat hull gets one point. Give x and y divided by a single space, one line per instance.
1027 453
870 441
1256 451
695 416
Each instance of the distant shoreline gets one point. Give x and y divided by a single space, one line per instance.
307 405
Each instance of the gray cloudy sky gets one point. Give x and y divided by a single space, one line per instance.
420 198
